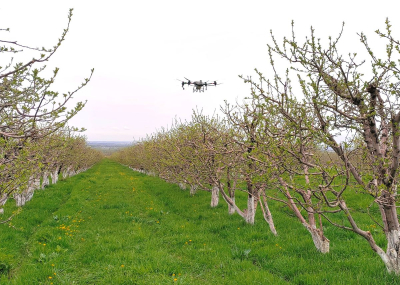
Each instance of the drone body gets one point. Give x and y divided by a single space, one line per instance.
198 86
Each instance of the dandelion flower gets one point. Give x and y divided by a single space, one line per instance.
122 265
175 279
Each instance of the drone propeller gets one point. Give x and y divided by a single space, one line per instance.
183 83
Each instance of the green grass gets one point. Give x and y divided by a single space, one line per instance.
110 225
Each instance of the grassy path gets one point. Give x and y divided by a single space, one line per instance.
111 225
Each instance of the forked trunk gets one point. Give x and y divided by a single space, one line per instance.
267 214
320 241
214 196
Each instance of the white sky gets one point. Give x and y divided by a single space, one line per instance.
139 48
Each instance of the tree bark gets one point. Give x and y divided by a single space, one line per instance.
3 200
320 241
54 175
193 190
267 215
251 209
214 197
231 209
45 180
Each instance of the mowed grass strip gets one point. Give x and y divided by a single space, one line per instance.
110 225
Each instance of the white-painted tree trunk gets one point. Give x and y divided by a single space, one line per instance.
391 258
35 183
19 199
182 186
231 209
267 214
214 197
3 200
54 176
251 210
45 180
71 171
193 190
65 173
320 241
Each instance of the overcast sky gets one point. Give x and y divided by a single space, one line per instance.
139 48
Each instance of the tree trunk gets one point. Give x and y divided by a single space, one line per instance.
19 199
231 209
54 176
71 171
267 214
251 209
320 241
214 197
193 190
45 180
66 172
3 200
387 205
182 186
35 183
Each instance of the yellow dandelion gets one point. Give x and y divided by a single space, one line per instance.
122 265
175 279
52 265
50 277
55 273
173 274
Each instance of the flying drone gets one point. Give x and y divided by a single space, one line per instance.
198 86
